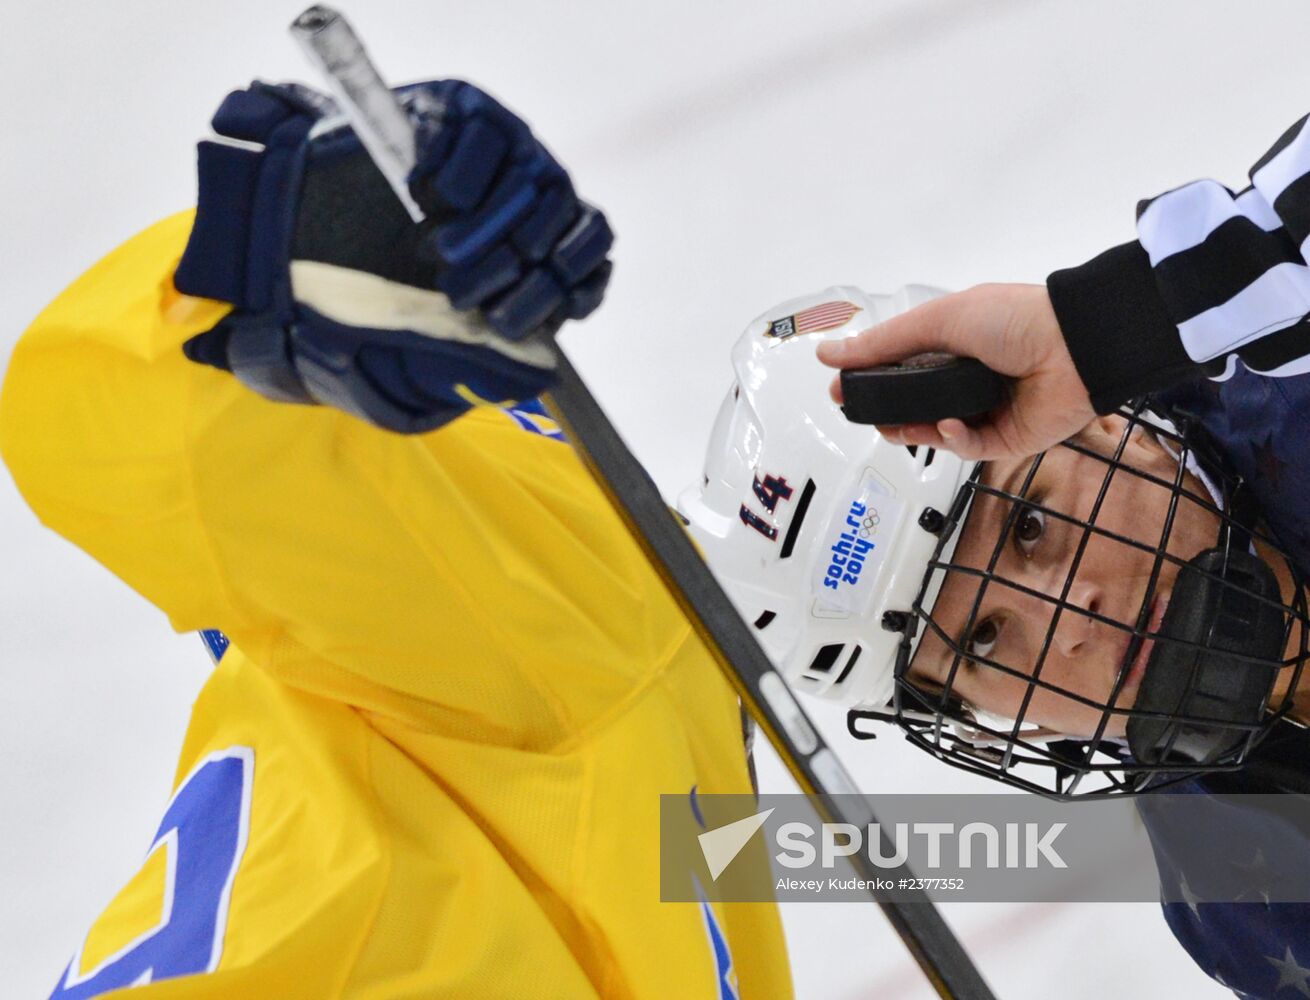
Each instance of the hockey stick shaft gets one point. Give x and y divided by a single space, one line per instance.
387 134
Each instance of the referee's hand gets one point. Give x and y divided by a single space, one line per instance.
1010 328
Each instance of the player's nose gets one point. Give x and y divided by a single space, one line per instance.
1078 629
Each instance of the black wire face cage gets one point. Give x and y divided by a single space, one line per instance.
1187 690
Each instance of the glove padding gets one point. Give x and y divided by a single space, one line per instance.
342 299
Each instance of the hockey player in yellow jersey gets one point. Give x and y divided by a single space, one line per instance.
429 765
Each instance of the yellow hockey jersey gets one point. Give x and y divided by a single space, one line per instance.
430 764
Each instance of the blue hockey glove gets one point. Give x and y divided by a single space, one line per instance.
341 299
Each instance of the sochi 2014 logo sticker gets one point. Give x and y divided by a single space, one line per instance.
852 548
855 548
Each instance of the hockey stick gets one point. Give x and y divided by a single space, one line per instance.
386 132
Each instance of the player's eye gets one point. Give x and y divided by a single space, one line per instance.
982 640
1029 527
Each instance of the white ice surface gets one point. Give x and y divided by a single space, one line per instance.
746 153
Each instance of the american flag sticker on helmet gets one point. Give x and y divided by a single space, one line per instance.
816 319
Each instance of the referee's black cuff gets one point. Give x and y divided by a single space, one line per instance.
1122 342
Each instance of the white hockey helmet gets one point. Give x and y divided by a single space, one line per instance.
819 530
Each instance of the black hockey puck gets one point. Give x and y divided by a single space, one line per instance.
920 390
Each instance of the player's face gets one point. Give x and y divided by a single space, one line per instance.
1086 656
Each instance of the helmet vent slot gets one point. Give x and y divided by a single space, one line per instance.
850 665
765 617
826 657
794 529
928 456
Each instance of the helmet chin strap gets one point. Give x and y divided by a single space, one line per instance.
982 738
965 727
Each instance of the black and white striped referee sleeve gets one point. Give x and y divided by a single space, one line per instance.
1213 276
